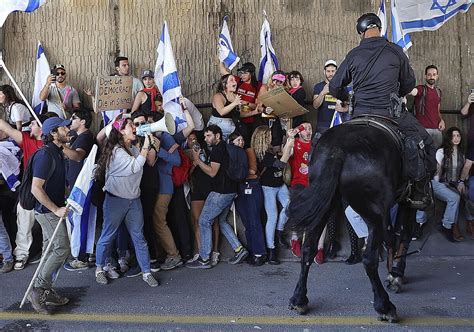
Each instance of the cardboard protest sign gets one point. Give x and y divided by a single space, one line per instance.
284 106
113 93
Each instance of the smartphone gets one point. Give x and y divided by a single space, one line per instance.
53 72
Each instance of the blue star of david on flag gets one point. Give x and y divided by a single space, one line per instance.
444 9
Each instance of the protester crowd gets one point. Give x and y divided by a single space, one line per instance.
163 199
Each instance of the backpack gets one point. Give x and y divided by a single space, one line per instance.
26 197
238 168
180 174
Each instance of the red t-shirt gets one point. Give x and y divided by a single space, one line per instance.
29 146
430 119
247 93
299 163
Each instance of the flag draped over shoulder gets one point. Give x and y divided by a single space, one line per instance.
382 14
399 36
167 80
419 15
83 215
226 51
268 59
41 75
9 6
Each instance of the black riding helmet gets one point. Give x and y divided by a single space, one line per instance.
367 20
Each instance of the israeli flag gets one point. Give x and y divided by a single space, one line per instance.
41 75
83 212
382 14
419 15
268 59
399 36
226 51
336 119
167 80
9 6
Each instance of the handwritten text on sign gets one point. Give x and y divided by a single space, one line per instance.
113 93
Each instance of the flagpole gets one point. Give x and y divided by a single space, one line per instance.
43 258
2 64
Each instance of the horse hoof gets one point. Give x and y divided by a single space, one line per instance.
301 309
394 284
391 318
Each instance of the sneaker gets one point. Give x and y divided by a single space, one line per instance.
133 272
150 280
35 260
196 256
296 248
319 258
111 271
123 264
155 266
20 263
76 265
171 263
7 267
101 277
214 258
239 256
200 264
417 231
37 297
54 299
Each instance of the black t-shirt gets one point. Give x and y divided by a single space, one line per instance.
150 182
221 183
272 176
200 181
56 184
84 141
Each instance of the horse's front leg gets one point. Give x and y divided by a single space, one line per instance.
382 304
299 300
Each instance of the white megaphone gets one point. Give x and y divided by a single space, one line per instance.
166 124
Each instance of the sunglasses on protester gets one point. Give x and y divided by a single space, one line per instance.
60 73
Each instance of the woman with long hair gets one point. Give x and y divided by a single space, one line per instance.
447 184
225 106
271 166
121 164
17 112
249 204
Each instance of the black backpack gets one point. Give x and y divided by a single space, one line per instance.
238 165
26 197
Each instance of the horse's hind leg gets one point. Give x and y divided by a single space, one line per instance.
382 304
299 300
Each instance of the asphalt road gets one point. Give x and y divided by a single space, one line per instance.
439 295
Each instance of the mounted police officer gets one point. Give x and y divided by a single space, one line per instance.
381 74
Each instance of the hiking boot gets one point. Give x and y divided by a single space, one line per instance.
150 279
334 247
296 248
133 272
239 256
155 267
111 271
417 231
171 263
214 258
353 259
20 263
54 299
101 277
447 233
37 297
76 265
7 267
319 258
457 236
200 264
273 257
123 264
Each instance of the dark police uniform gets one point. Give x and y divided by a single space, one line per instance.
390 73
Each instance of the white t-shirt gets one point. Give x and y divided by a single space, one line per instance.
18 112
57 96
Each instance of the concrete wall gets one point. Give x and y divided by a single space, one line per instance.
86 35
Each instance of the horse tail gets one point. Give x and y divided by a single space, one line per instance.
308 207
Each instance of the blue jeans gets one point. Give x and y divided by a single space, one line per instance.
117 210
216 205
5 245
271 195
452 198
249 207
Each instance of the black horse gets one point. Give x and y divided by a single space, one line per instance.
359 165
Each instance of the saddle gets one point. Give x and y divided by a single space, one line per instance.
383 123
